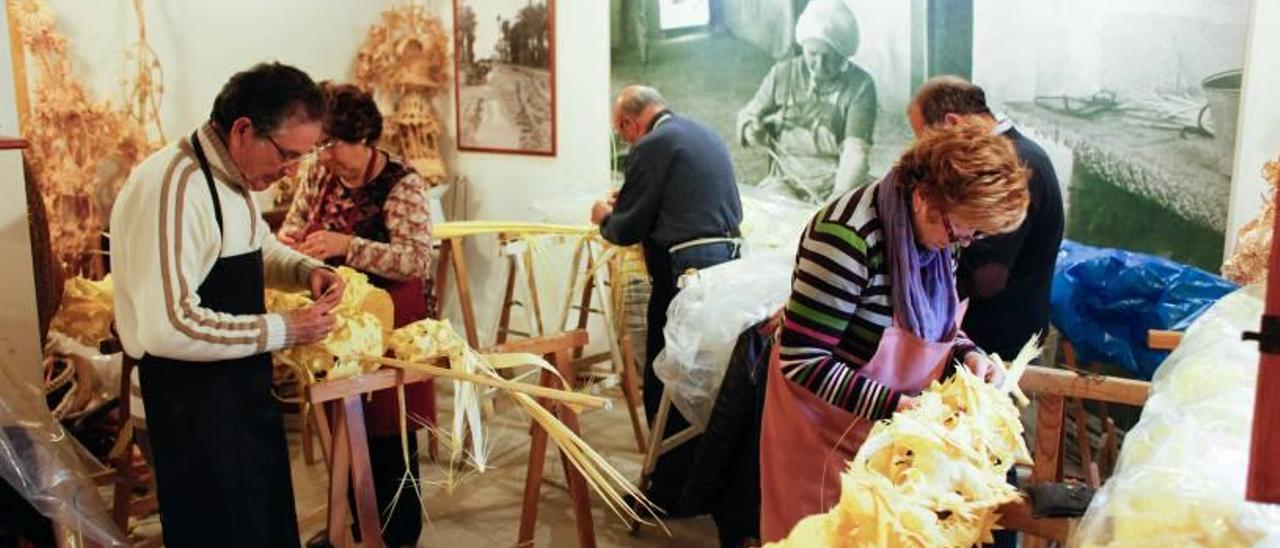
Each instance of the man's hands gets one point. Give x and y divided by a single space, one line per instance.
326 287
313 323
602 208
310 324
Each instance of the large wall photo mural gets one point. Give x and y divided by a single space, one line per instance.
1135 100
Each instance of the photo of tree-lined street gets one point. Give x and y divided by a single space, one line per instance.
505 94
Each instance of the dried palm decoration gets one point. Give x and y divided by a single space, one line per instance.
81 148
1248 263
933 475
362 318
358 343
404 61
86 311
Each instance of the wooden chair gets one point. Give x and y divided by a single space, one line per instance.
1052 387
124 475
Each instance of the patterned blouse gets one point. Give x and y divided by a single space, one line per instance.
388 217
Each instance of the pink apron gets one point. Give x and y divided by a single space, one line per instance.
805 442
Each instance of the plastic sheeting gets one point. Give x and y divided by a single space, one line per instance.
1105 300
104 385
42 462
704 321
772 221
1180 480
706 317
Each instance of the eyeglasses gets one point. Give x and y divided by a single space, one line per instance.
951 235
325 145
287 156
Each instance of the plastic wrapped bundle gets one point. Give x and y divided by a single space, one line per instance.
86 311
772 221
1180 479
933 475
704 321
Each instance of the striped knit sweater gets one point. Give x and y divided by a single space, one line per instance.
841 302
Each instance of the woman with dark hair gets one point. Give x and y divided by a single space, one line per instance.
873 316
363 208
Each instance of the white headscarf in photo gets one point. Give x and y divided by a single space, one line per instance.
830 21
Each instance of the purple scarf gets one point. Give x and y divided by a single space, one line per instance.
924 294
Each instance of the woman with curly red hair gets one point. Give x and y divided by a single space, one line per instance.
873 316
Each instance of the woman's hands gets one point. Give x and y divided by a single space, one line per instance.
984 367
324 244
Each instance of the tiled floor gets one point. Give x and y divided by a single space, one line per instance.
484 509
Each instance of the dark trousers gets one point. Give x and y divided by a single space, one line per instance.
671 470
725 478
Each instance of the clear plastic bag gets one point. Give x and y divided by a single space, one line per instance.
772 221
705 319
1180 479
42 462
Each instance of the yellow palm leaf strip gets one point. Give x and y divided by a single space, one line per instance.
584 400
595 469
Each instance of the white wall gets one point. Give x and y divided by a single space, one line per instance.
19 328
201 43
1258 136
560 189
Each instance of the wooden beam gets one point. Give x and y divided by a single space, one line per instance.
1264 445
1047 453
1061 382
563 396
362 474
543 346
463 283
1160 339
18 56
1017 516
365 383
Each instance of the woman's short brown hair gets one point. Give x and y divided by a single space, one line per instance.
351 114
971 175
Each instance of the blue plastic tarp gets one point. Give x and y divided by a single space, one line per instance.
1105 300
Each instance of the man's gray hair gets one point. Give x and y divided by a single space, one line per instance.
635 99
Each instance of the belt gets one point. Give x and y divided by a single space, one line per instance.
704 241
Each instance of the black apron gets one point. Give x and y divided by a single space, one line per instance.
217 437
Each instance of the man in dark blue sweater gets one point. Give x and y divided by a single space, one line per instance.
680 202
1007 277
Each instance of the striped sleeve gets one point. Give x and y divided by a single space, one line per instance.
172 246
831 276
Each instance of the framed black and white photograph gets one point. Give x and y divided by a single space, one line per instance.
505 84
